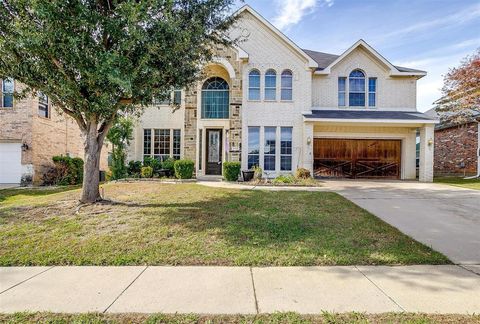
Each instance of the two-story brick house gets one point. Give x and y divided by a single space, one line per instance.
268 102
31 133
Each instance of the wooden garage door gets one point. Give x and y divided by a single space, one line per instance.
357 158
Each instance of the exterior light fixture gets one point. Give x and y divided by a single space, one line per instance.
430 142
25 147
309 140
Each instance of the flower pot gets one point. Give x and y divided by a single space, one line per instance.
248 175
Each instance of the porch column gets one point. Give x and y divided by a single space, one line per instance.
307 143
426 153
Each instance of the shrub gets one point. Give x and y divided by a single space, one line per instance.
155 164
147 172
168 164
302 173
134 168
66 171
184 169
231 170
283 179
258 172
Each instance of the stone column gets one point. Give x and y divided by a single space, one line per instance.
426 153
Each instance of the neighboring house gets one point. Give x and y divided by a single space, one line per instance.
270 103
31 133
457 146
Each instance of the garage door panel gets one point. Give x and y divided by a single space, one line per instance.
10 162
357 158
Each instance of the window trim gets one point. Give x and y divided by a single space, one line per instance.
2 93
290 73
274 88
249 88
344 92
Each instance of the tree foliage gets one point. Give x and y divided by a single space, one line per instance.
96 58
461 91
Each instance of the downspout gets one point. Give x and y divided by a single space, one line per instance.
478 154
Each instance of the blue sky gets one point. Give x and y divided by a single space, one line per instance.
430 35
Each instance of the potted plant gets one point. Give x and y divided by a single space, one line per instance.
248 175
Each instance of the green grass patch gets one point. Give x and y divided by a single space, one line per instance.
277 318
459 182
188 224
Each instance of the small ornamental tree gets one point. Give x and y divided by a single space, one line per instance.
97 58
120 136
461 91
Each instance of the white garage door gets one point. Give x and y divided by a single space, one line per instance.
10 162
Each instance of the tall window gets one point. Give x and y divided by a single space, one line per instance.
269 149
147 142
271 85
356 96
43 105
342 84
286 149
176 144
253 146
7 93
177 97
215 99
372 89
287 85
161 144
254 85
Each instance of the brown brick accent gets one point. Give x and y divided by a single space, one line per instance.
45 137
454 146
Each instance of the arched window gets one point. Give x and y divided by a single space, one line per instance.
271 85
287 85
215 99
254 85
356 91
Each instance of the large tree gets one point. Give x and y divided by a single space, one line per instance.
461 91
98 58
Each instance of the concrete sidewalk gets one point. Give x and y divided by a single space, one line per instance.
241 290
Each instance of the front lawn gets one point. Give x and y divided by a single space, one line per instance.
460 182
189 224
277 318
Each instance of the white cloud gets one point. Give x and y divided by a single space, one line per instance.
291 12
452 20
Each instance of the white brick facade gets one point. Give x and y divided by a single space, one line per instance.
314 88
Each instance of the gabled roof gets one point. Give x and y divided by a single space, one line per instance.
295 47
327 61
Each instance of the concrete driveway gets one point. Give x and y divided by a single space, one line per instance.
444 217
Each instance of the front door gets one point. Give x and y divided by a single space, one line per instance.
214 152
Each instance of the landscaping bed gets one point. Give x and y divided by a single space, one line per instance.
261 318
150 223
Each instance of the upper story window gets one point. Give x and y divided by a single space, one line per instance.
43 106
177 97
342 88
372 90
6 93
215 99
287 85
356 85
254 85
271 85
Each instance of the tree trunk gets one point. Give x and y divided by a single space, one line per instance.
91 167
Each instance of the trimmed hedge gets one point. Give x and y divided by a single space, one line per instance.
231 170
184 169
67 171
